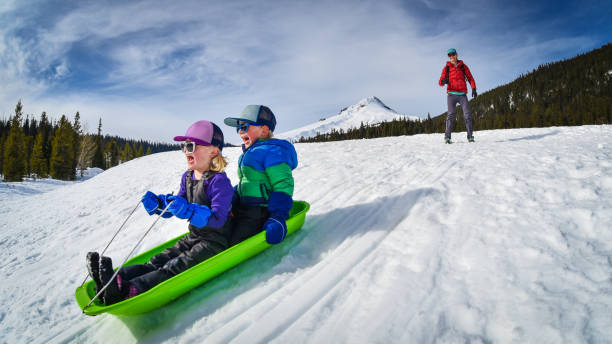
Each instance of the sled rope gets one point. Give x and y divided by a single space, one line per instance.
113 238
128 257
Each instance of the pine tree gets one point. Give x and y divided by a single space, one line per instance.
126 153
1 152
62 152
46 128
29 131
13 166
111 154
78 134
138 152
98 158
39 163
28 143
26 126
429 124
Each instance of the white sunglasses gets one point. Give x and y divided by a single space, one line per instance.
188 147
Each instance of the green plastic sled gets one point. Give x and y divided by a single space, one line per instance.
184 282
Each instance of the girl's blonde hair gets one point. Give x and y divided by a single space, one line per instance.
218 163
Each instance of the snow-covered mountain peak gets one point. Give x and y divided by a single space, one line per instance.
370 110
371 101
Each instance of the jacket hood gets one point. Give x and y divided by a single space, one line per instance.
459 63
285 146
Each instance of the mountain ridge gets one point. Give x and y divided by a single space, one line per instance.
369 111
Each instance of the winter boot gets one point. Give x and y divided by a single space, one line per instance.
112 294
471 139
447 140
93 267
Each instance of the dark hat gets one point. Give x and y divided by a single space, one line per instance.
204 133
258 114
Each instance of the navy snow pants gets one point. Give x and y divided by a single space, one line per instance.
191 250
246 222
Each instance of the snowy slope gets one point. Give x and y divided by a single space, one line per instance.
369 110
408 240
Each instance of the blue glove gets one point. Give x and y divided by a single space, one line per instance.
196 214
180 207
163 203
154 204
201 214
276 230
150 202
279 205
163 200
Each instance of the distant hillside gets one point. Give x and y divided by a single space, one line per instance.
576 91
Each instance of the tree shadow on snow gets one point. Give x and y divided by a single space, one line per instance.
321 233
532 137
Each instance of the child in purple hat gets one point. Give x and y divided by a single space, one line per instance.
204 200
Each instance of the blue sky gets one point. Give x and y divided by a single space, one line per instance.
151 68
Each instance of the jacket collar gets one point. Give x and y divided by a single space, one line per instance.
256 143
459 63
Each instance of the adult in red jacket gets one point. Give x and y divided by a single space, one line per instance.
454 74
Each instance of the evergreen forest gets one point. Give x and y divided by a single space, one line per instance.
59 149
576 91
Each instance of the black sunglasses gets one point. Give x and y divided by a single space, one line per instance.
452 54
188 147
244 127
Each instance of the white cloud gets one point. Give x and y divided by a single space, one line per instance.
178 62
7 6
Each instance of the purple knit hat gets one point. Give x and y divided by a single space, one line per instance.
204 133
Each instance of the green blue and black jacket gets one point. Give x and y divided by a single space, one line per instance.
265 177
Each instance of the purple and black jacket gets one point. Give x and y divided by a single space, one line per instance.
217 195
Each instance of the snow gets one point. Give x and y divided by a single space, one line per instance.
369 110
506 240
35 186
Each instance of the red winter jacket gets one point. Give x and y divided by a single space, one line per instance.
456 78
